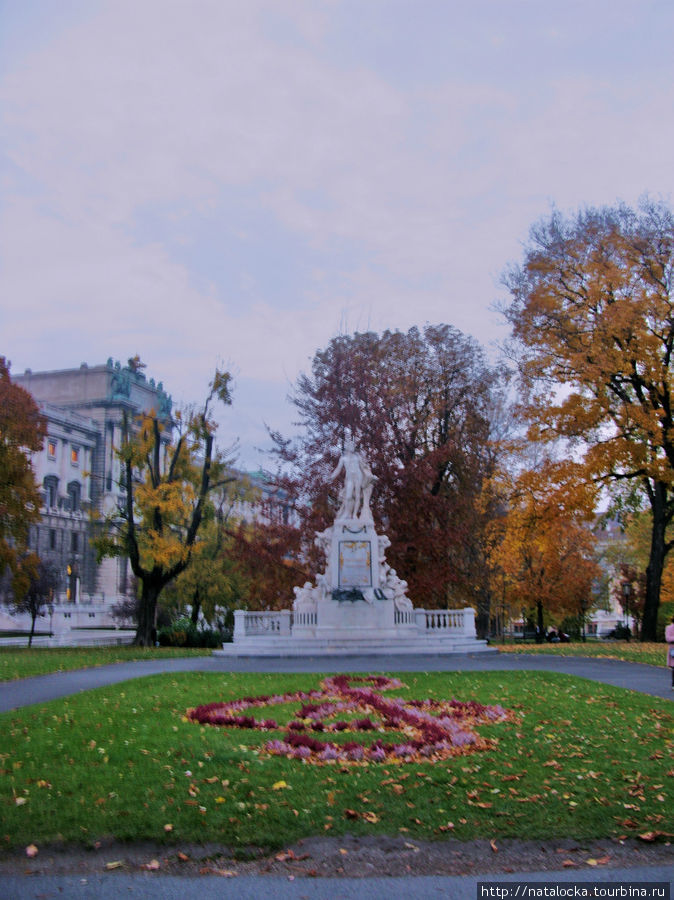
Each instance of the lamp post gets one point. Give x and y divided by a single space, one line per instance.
627 592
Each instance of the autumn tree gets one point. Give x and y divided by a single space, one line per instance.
34 588
592 311
167 486
22 431
629 591
270 556
421 406
214 579
542 547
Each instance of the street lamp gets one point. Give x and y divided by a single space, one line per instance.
627 592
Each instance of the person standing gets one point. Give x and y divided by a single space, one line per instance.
669 637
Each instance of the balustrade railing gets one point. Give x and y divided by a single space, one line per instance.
282 622
249 624
404 617
305 619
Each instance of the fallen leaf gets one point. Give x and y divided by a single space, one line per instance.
654 835
183 857
20 801
31 850
350 814
493 846
371 817
152 866
168 827
279 785
343 851
568 862
117 864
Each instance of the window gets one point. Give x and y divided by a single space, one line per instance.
52 539
50 485
74 495
51 448
74 456
74 542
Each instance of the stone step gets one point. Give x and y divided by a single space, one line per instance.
275 646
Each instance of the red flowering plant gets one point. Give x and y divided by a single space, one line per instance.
432 729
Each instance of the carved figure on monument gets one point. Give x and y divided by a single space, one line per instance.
120 385
356 491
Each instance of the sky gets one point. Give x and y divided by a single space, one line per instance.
235 182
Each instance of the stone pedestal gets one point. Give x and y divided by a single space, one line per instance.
358 595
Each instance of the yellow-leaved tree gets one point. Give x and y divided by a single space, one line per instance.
542 551
167 486
593 316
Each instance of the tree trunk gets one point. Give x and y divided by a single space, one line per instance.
539 622
483 617
196 607
656 563
32 629
146 632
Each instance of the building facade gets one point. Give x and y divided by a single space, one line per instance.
78 472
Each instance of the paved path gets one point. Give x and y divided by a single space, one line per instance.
634 676
432 887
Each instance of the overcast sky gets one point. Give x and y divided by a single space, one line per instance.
237 181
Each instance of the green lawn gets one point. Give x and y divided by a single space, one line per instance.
630 651
21 662
579 760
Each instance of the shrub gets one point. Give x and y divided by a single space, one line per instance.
184 633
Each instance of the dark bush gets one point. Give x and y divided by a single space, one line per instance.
620 633
184 633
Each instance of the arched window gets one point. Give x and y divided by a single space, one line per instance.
75 495
51 486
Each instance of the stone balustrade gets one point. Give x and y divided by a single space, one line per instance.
256 624
280 623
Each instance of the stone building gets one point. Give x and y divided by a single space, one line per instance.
78 472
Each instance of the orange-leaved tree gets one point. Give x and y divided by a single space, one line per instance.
542 549
592 311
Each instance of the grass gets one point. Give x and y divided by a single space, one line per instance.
630 651
581 760
21 662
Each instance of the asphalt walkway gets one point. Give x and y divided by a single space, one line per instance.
632 676
431 887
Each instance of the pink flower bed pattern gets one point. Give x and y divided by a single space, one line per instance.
433 729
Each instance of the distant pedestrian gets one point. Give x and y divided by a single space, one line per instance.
669 637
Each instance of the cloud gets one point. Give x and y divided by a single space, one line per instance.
236 181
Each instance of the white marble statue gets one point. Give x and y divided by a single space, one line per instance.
356 491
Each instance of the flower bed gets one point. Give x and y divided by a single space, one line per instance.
433 729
